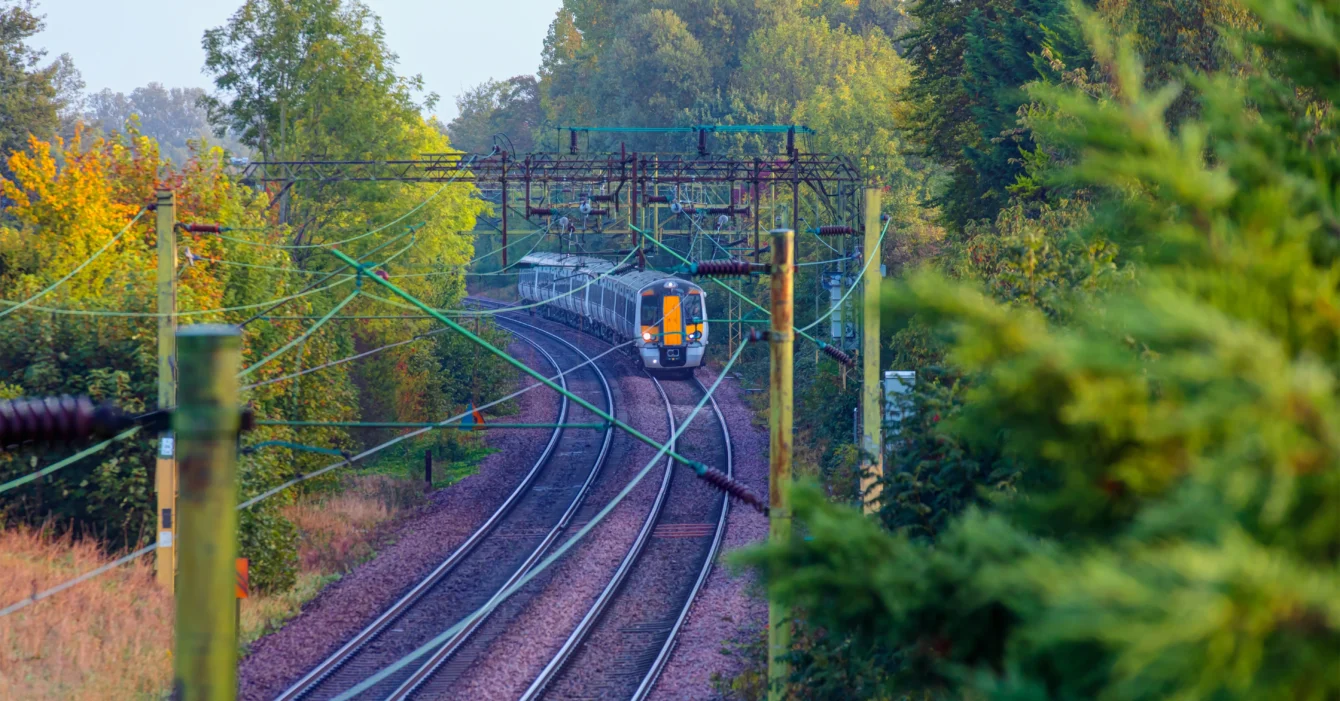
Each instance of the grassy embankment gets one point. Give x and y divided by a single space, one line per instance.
111 638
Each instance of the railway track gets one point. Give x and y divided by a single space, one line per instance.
502 549
622 643
629 633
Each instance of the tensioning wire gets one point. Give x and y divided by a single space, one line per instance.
293 482
68 461
567 545
824 262
408 232
198 312
493 312
504 271
24 603
868 260
383 227
513 361
351 358
20 305
299 339
459 417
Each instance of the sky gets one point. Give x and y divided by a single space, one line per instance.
453 44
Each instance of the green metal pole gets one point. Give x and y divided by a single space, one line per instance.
513 361
872 448
782 337
165 469
206 423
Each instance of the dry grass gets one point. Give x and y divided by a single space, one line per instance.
338 531
106 639
111 638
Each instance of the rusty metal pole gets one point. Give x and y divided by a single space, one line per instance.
504 209
782 338
165 469
872 447
207 422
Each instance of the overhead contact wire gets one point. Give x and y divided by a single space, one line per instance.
558 553
20 305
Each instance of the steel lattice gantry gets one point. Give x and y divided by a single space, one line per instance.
701 205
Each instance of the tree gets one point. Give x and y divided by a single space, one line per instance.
33 96
970 61
510 107
1177 526
172 117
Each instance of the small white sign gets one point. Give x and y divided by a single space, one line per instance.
165 539
165 447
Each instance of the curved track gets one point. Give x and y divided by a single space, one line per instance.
623 642
507 544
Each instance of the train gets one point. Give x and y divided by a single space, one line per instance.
663 316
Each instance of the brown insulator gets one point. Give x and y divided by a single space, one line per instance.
602 198
597 213
835 230
721 481
723 268
658 199
58 420
541 212
203 228
838 355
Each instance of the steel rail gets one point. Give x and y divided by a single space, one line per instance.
663 657
607 595
330 665
584 627
439 657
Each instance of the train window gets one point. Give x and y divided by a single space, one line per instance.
693 307
651 314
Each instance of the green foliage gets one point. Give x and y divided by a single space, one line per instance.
1174 434
32 95
971 60
510 107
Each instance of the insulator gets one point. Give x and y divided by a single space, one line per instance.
597 212
585 208
602 198
203 228
563 224
676 207
723 268
541 211
723 482
839 356
658 199
722 221
58 420
835 230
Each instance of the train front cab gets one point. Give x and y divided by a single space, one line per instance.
673 325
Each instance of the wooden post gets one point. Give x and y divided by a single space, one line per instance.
872 447
782 338
207 422
165 469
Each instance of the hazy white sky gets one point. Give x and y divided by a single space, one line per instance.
454 44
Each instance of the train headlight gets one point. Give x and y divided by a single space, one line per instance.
646 336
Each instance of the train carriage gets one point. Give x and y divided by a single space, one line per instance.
665 317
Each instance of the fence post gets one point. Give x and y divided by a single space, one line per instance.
428 469
782 337
206 422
